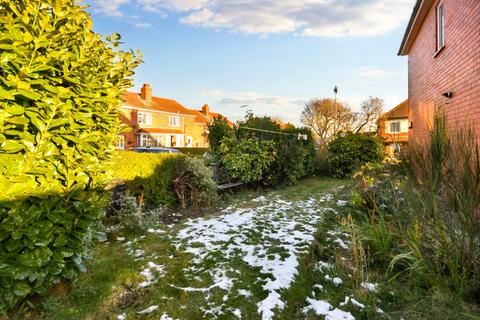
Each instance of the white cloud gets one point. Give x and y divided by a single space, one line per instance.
326 18
109 7
372 72
235 105
142 25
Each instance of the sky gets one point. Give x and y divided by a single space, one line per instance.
272 55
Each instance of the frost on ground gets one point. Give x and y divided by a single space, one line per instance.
323 308
269 238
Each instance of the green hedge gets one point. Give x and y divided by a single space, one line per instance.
148 176
193 151
60 88
348 152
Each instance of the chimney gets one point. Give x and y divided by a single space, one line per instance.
146 93
206 110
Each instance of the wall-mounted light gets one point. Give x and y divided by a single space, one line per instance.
448 94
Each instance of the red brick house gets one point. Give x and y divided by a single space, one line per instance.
393 128
159 122
442 42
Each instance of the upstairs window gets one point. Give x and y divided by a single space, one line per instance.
174 121
395 127
440 26
144 118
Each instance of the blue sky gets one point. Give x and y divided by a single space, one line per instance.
273 55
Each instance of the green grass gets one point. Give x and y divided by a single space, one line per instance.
110 287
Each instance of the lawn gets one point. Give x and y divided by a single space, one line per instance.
238 262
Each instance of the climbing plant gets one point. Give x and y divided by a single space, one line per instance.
60 87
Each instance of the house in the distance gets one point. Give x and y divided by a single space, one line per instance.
393 128
442 42
159 122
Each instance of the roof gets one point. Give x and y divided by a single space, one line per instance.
420 11
400 111
133 99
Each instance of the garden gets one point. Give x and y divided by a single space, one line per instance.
309 231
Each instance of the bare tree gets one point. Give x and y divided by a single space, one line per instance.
327 118
366 119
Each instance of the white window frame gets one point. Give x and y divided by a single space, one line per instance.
189 142
174 121
395 123
440 28
144 118
120 142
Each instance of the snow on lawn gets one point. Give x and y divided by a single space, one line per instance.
269 238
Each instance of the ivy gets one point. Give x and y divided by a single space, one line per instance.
60 88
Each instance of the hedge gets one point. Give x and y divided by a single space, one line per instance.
348 152
193 151
60 88
148 176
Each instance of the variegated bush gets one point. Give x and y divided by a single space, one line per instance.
60 87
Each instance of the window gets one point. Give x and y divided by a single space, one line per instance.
144 118
174 121
120 142
142 140
188 143
395 127
440 27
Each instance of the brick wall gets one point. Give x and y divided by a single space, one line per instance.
456 68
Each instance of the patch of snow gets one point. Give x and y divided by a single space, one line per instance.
122 316
259 199
341 203
323 265
244 293
318 286
147 273
341 243
254 235
148 310
165 317
157 231
372 287
237 313
336 281
379 310
121 239
323 308
354 302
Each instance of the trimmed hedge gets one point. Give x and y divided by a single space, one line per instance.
348 152
193 151
148 176
60 88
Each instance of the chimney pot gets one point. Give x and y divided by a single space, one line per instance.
146 93
206 110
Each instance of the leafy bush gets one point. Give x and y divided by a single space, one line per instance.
194 184
148 176
130 217
247 159
60 86
348 152
259 151
217 131
425 225
193 151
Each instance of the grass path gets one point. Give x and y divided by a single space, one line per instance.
234 264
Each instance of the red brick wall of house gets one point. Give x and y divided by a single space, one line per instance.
456 68
129 118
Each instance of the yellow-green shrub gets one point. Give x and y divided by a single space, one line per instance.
60 88
148 176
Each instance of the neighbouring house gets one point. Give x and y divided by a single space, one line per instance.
393 128
159 122
442 42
